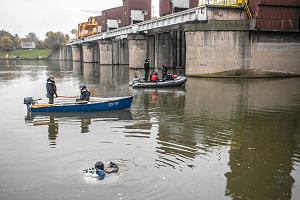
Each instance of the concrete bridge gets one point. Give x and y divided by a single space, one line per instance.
213 41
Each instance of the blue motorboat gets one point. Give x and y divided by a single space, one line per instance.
99 104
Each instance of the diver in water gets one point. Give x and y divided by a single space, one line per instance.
99 171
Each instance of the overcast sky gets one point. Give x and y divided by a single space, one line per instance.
40 16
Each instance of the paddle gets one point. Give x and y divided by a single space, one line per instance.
68 97
91 98
37 99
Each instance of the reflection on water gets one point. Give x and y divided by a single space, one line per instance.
262 122
53 131
212 139
52 120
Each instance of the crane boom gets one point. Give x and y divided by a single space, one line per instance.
92 11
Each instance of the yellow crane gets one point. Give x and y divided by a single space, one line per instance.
88 28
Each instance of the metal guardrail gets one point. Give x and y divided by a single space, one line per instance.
195 14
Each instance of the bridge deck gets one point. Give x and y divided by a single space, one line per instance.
199 13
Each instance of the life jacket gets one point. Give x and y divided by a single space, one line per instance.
85 94
154 77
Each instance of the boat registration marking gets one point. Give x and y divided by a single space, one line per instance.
113 104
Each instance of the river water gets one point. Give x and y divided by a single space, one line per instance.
212 139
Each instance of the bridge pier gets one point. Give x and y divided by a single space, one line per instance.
87 52
62 53
124 52
163 50
151 50
96 53
235 51
178 50
120 52
115 52
137 45
76 53
68 54
105 51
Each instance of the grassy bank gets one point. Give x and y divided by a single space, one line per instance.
26 54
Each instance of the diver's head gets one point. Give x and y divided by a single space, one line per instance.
82 86
99 165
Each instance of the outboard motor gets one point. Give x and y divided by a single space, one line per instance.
28 101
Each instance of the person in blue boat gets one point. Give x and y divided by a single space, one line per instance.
84 93
51 89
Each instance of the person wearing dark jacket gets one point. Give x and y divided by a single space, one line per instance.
51 89
147 69
84 93
164 70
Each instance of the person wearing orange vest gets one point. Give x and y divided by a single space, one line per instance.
154 77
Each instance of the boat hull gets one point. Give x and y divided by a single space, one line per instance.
179 81
110 104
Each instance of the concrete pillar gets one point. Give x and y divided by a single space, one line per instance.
68 53
76 53
115 52
178 49
137 44
96 53
151 50
124 52
156 51
183 49
178 41
87 52
164 49
120 52
105 51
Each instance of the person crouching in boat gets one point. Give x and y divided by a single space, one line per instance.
51 89
168 76
136 79
84 94
154 76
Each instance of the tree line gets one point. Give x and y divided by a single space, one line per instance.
53 40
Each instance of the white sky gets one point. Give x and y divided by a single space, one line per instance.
40 16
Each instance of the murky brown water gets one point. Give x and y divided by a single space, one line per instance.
213 139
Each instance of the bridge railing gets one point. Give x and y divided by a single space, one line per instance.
199 13
238 3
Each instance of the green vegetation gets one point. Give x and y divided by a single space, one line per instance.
55 40
26 54
11 45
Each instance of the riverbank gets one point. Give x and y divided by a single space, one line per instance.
26 54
